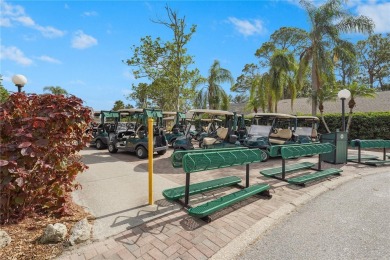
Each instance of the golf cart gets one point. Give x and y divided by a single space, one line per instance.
136 139
174 126
268 129
217 134
239 127
306 130
100 131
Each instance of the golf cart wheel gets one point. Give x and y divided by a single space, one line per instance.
112 148
161 152
141 152
266 156
173 142
99 145
201 144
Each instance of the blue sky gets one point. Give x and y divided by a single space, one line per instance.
80 45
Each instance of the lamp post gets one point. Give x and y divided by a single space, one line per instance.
343 95
19 81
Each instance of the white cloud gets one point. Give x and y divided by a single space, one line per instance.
82 41
49 59
15 15
90 13
14 54
246 27
379 13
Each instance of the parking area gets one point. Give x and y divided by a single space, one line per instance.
115 191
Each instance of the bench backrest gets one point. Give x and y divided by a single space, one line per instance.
177 156
196 162
295 151
222 132
378 143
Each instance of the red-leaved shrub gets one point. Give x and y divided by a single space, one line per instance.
40 136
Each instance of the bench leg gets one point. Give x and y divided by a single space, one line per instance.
247 175
187 192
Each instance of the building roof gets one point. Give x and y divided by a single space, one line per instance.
381 103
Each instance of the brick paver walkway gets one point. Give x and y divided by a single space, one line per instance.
180 236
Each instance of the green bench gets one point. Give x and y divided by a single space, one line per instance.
211 159
177 156
370 144
296 151
275 150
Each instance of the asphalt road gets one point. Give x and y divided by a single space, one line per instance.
351 222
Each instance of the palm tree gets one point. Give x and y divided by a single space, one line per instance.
56 90
327 22
357 91
214 96
282 64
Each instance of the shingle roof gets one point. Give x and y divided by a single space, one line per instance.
381 103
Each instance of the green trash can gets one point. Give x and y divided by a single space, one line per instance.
340 141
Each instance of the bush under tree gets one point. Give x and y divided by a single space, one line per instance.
40 136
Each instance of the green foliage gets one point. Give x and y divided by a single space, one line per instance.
212 94
40 136
373 125
166 65
327 22
3 94
56 90
374 60
120 105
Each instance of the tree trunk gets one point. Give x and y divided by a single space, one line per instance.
314 81
324 122
349 120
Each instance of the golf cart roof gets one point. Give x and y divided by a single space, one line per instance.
169 113
277 115
210 111
209 119
308 118
131 110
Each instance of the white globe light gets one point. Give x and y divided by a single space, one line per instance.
344 94
19 80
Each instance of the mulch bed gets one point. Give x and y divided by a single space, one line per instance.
25 236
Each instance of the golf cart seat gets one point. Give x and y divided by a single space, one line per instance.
314 134
281 136
221 133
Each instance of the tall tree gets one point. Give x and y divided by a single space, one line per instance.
212 93
326 23
374 59
3 92
166 64
118 105
357 90
56 90
282 70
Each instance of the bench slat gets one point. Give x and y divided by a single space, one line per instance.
289 168
225 201
196 162
363 157
295 151
375 162
313 176
196 188
177 156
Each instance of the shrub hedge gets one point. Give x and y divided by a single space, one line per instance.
40 136
371 125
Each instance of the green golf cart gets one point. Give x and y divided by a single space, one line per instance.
136 139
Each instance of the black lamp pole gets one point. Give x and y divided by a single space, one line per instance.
342 114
